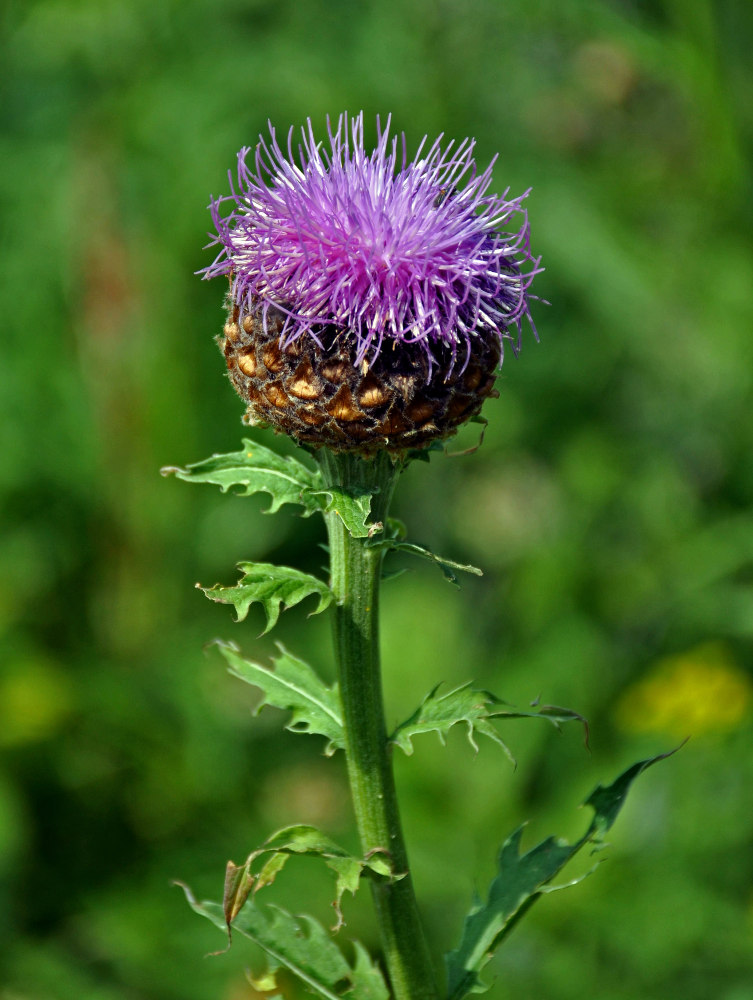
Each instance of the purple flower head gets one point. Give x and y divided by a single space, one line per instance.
334 237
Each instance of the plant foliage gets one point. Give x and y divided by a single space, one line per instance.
293 685
241 880
395 541
274 587
476 709
301 945
352 506
256 469
522 879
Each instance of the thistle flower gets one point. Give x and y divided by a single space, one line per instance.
370 297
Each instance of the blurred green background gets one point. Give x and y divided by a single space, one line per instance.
610 505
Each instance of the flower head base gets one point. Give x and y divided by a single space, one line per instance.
370 297
371 245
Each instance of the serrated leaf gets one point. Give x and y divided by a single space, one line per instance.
394 540
255 469
368 982
439 713
446 565
300 944
240 880
475 708
522 879
274 587
352 506
291 684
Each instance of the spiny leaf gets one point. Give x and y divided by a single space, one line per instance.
274 587
301 839
440 713
523 879
446 565
607 802
394 540
292 685
352 506
368 982
255 469
302 946
475 708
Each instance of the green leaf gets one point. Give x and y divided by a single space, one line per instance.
394 540
446 565
439 713
255 469
274 587
301 839
301 945
368 982
351 505
293 685
475 708
424 454
523 879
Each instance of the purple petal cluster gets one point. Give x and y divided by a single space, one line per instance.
367 243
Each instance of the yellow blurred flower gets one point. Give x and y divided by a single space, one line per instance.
35 700
699 691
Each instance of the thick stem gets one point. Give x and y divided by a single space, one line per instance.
355 567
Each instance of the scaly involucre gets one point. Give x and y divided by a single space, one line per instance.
373 246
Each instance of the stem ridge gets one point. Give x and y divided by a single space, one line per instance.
355 568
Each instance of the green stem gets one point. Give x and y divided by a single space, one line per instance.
355 567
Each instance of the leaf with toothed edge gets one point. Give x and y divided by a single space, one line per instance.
291 684
351 506
395 540
255 469
476 709
242 880
446 565
522 879
368 982
274 587
301 945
